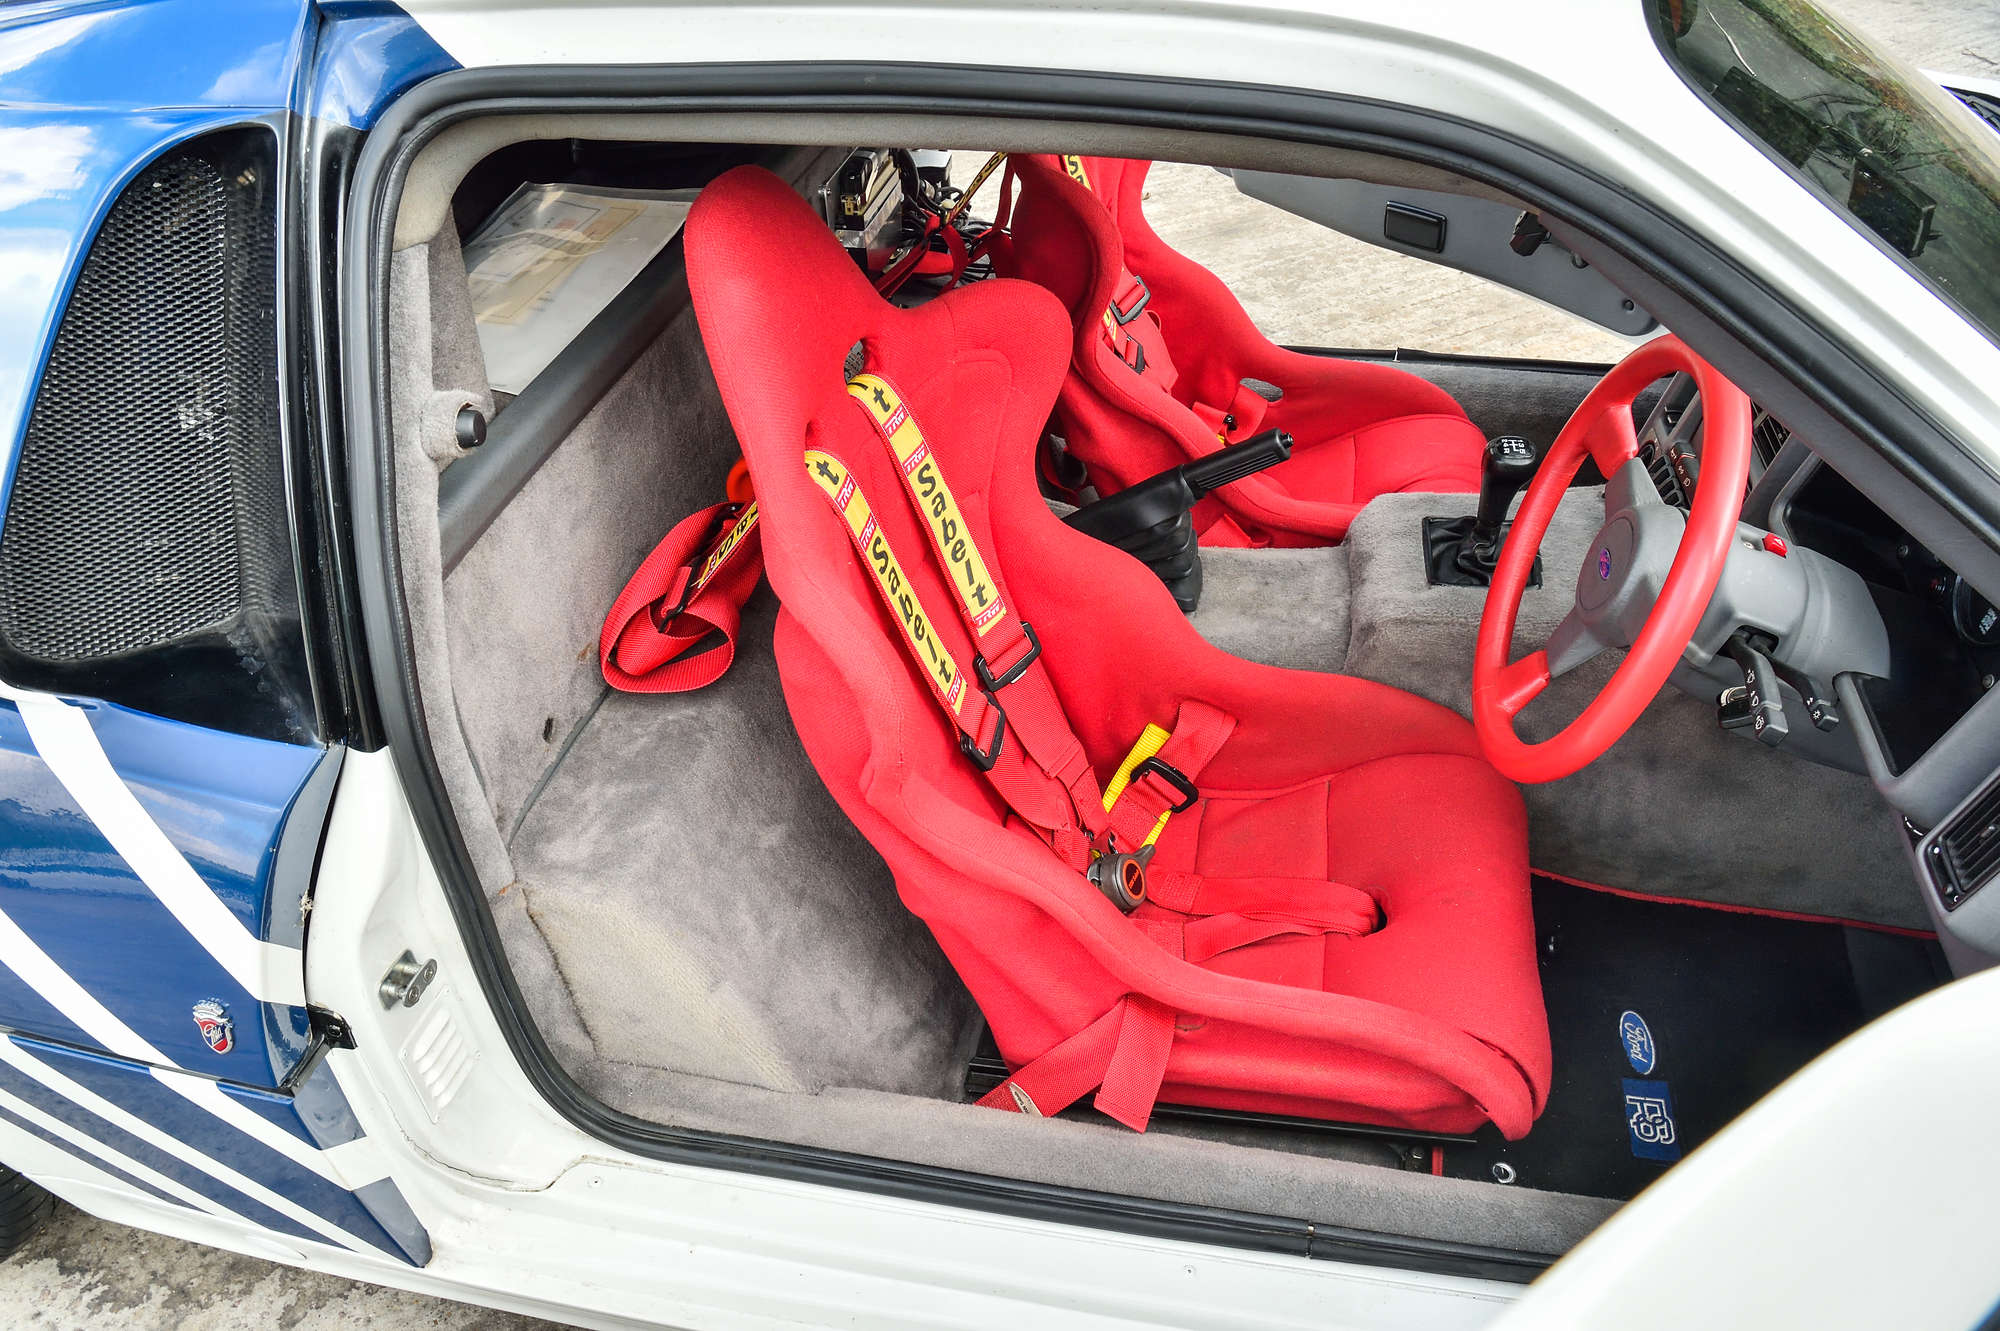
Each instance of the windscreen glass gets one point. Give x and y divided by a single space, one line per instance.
1893 152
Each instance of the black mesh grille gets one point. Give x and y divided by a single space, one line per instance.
139 513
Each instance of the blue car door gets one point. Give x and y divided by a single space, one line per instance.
170 724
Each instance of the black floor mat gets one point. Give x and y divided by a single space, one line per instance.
1668 1021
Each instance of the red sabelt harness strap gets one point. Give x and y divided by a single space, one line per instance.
1123 1054
1130 327
1008 655
692 585
981 725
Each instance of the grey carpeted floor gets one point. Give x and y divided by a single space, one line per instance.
711 909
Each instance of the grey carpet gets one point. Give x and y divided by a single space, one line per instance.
528 600
1534 402
1184 1170
1677 808
1280 607
713 911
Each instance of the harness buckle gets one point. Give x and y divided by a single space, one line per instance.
1138 307
991 683
684 587
1173 778
1121 876
984 759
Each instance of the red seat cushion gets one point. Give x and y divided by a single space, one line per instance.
1432 1021
1361 429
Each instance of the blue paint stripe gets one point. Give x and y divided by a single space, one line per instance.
22 1005
69 890
271 1106
322 1106
134 1090
90 1158
175 1168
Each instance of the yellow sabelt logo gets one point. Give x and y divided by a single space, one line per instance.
745 524
1074 166
950 533
831 475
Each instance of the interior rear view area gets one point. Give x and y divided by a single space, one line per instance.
917 674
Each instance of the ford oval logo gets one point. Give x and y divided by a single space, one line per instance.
1604 564
1638 1042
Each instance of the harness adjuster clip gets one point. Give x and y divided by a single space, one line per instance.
1189 796
984 759
1138 307
992 683
665 614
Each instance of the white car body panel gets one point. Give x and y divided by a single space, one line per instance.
1579 77
527 1212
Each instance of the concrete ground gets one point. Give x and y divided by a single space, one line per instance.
80 1272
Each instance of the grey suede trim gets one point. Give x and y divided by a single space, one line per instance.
422 303
1111 1159
714 910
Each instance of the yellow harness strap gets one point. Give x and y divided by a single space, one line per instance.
940 668
951 534
1151 740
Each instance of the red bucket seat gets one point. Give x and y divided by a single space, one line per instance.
1163 358
1338 924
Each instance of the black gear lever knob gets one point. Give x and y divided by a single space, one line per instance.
1509 465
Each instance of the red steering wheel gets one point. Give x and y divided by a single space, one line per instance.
1628 595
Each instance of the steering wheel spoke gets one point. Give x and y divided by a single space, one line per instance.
1520 683
1573 643
1612 441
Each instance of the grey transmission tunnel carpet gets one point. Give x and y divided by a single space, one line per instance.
1669 1020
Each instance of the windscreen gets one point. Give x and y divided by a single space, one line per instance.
1888 148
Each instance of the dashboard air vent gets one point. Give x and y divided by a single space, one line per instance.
1965 854
1767 436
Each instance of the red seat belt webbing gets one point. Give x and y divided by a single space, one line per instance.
980 723
1198 735
692 585
1007 650
1236 912
1123 1053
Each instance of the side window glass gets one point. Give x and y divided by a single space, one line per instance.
1304 284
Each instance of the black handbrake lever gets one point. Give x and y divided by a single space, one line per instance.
1152 521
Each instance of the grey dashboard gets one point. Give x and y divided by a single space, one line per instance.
1925 723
